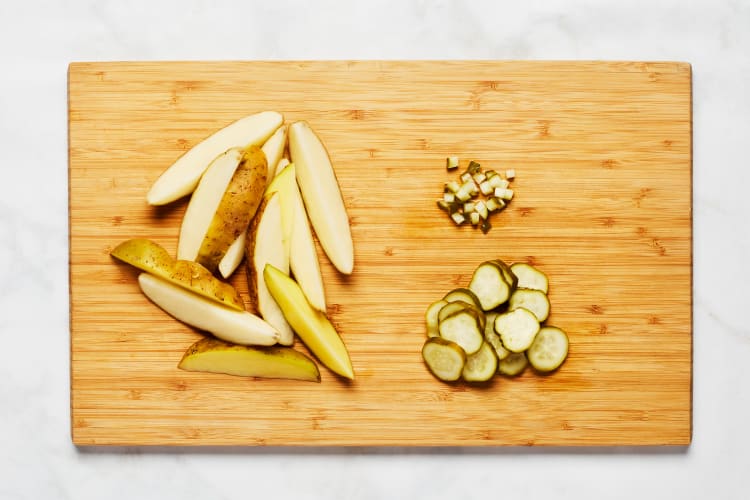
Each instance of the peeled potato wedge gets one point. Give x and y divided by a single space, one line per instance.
216 356
182 177
283 184
273 148
322 195
312 326
303 255
239 327
232 259
222 206
151 257
281 165
264 245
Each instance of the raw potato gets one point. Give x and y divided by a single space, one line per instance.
322 195
312 326
151 257
182 177
236 208
205 201
273 148
264 246
283 185
303 255
239 327
283 162
216 356
233 257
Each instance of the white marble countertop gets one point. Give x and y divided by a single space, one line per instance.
38 40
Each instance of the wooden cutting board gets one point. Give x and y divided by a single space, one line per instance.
602 153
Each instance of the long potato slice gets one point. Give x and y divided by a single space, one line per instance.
273 148
205 202
264 246
238 327
312 326
236 208
217 356
303 255
151 257
322 195
182 177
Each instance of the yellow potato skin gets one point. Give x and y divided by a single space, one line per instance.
312 326
236 209
151 257
250 241
217 356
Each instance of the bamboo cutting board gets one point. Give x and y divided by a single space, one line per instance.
602 153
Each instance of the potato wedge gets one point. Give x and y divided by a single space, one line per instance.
303 255
205 201
236 209
151 257
322 195
283 184
312 326
233 258
217 356
239 327
182 177
283 162
273 148
264 245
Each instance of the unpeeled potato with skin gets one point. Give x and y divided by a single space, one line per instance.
217 356
149 256
236 208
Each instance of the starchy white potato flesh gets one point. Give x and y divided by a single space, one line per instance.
182 177
273 148
265 246
322 195
204 202
239 327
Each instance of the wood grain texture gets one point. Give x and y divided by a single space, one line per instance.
602 153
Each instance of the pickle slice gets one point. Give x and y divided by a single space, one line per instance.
517 329
530 277
492 284
513 365
463 329
445 359
535 301
431 317
480 366
549 350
